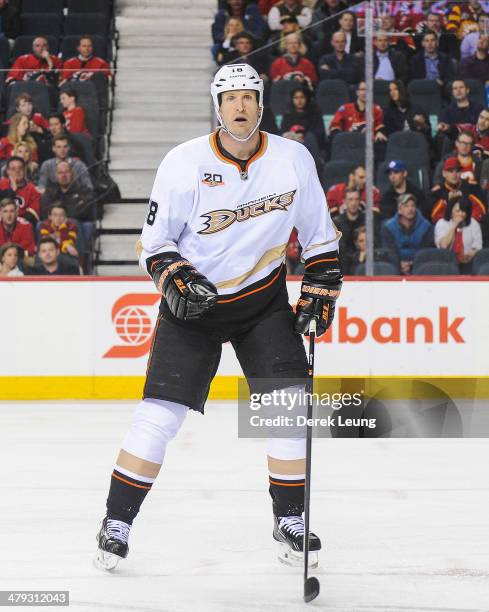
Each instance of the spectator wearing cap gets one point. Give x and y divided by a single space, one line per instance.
453 188
357 179
407 232
431 63
461 112
37 66
289 8
50 262
233 26
15 229
477 65
458 231
10 254
62 229
293 65
305 113
340 64
243 45
388 63
17 187
400 184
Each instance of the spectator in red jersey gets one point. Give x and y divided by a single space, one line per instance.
357 179
36 66
15 229
400 184
289 8
74 115
454 187
62 152
9 259
51 263
351 117
477 66
233 26
24 106
293 64
16 187
459 232
86 66
23 150
18 131
59 227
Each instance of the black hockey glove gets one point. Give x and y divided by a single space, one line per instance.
188 293
321 286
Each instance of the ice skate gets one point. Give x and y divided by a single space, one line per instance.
112 544
288 531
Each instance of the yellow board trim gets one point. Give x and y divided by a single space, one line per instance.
17 388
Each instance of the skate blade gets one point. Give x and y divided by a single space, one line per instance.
294 558
106 561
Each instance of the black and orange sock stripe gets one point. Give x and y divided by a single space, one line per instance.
138 484
299 482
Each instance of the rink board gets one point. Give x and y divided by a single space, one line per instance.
89 338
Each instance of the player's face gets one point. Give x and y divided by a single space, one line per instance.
57 216
9 214
239 111
10 258
85 48
48 253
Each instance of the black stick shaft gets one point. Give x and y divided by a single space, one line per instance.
307 487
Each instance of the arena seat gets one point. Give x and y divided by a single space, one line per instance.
349 146
89 6
426 94
437 268
43 7
4 52
381 93
381 268
481 259
81 23
280 93
483 269
336 171
434 256
41 25
411 147
330 95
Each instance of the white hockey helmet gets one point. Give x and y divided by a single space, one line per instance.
235 77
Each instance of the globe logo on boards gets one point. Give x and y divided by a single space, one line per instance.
133 325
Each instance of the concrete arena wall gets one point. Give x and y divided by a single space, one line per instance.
89 337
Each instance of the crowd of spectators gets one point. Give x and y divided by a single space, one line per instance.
431 117
55 89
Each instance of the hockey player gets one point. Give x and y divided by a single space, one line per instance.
221 211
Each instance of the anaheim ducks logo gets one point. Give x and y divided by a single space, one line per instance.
219 220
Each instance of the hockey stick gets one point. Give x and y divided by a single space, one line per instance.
311 584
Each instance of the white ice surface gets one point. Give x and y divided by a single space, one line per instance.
404 523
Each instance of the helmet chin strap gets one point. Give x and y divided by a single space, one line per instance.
237 138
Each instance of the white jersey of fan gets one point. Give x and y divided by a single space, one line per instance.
234 229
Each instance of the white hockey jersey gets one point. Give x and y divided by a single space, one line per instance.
234 226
